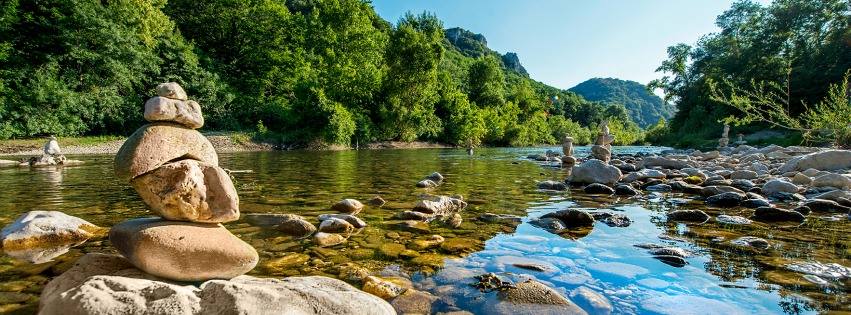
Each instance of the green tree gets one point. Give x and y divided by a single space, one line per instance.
410 87
486 82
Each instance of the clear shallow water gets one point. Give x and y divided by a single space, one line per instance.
719 277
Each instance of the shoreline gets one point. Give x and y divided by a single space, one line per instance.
222 142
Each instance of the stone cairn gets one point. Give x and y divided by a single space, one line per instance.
741 140
602 149
175 170
567 160
51 155
725 137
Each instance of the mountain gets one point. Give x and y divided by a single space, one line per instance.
475 45
644 107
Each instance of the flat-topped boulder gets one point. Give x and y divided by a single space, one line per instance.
189 190
157 144
183 251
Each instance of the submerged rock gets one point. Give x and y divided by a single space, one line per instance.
612 219
572 217
552 185
598 303
625 190
500 218
334 225
697 216
183 251
533 297
377 201
323 239
733 220
440 205
350 206
832 271
353 220
826 205
39 229
596 188
769 214
751 241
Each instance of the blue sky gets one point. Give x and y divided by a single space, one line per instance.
565 42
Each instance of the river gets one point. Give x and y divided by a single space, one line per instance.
716 277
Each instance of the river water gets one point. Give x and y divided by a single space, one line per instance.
717 278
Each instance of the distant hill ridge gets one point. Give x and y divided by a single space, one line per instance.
644 107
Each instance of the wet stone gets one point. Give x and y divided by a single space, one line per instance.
323 239
769 214
832 271
552 185
612 219
625 190
733 220
751 241
826 206
350 206
697 216
353 220
598 189
755 203
727 199
572 217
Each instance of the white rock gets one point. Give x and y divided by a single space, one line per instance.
108 284
801 179
643 174
778 185
595 171
835 195
832 180
825 160
43 229
664 162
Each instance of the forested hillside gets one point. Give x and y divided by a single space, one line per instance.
302 71
794 49
644 107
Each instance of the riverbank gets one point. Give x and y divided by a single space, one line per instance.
224 142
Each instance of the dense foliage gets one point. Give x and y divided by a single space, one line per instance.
644 107
801 46
302 71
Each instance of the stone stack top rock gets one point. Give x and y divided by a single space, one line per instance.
172 105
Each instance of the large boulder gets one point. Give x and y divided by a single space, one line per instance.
108 284
39 229
183 251
293 295
189 190
825 160
643 174
595 171
186 113
157 144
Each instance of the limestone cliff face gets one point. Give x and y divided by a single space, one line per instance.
512 62
475 45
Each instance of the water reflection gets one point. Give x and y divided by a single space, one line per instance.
718 276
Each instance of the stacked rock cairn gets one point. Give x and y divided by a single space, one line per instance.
175 170
725 137
602 149
567 160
